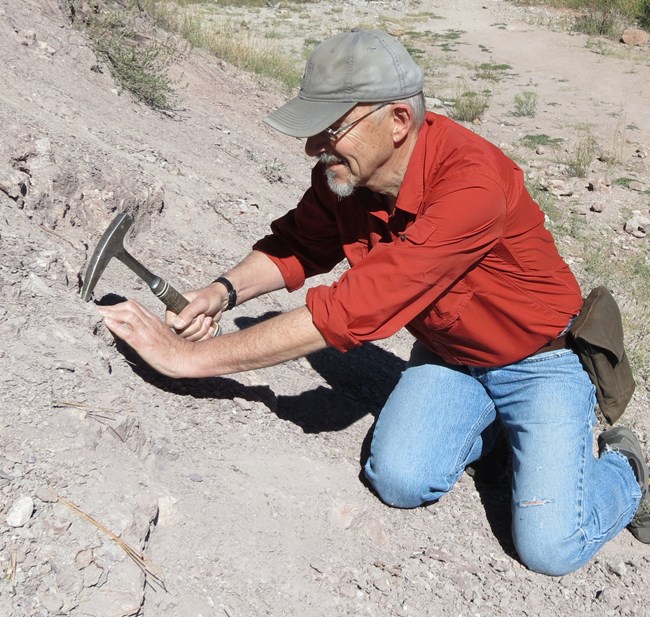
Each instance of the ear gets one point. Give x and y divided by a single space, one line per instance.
402 121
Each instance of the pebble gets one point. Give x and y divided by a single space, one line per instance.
600 185
195 477
242 403
617 567
638 226
20 512
381 583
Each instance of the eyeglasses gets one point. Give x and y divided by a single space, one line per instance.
334 134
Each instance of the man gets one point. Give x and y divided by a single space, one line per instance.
443 239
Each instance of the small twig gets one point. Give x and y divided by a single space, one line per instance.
56 235
94 413
136 556
11 572
84 406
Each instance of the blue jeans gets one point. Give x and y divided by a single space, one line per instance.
566 503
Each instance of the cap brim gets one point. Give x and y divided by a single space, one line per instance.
302 118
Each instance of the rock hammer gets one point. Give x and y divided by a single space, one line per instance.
111 245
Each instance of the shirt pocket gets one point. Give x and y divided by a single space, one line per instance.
447 310
417 234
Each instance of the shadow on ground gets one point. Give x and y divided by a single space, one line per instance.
357 383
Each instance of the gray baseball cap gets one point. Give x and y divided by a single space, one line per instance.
360 66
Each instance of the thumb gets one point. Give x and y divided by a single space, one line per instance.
188 314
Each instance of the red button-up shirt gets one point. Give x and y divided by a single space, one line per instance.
464 261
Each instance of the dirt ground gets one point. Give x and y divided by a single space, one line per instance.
244 493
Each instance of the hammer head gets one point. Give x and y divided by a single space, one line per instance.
110 245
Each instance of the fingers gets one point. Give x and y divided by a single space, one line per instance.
148 336
199 329
195 308
129 320
196 321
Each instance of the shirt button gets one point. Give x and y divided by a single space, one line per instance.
403 237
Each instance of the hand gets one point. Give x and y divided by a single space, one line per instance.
153 341
199 319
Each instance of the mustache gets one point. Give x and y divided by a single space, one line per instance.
327 158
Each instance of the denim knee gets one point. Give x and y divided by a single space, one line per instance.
401 487
550 557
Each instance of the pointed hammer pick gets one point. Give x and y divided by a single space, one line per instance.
112 245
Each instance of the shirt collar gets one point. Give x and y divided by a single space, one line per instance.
411 193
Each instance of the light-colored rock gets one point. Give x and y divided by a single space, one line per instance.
638 226
20 512
168 514
617 567
635 37
557 187
600 185
635 185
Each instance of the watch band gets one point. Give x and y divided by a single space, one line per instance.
232 294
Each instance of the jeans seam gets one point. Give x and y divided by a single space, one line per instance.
452 478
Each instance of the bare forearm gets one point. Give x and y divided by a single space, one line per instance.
285 337
255 276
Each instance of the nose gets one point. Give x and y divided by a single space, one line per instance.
316 144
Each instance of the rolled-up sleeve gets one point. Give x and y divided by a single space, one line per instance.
306 240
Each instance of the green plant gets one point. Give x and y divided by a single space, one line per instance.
614 153
602 17
599 46
274 170
470 106
526 104
605 17
644 14
491 72
238 46
540 139
547 202
138 62
448 40
579 159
